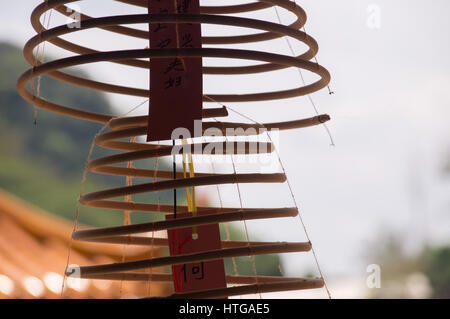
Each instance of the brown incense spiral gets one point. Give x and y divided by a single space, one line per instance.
131 127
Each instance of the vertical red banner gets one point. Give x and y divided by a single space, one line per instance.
176 85
201 275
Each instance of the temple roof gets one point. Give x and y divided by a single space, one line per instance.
34 247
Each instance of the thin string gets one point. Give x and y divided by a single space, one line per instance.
178 34
127 215
225 225
150 270
252 257
294 200
303 79
278 155
40 58
85 171
75 225
301 220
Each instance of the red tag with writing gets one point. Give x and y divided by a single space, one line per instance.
200 275
176 85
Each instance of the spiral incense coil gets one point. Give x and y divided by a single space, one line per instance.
131 57
130 128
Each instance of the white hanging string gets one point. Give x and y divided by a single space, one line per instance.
303 79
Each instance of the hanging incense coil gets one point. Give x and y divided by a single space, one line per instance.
133 127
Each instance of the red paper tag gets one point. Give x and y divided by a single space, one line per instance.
201 275
176 85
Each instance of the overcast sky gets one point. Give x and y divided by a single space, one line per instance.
389 114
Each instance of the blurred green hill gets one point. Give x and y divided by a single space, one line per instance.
43 163
57 140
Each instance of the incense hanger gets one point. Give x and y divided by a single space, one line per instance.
123 131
